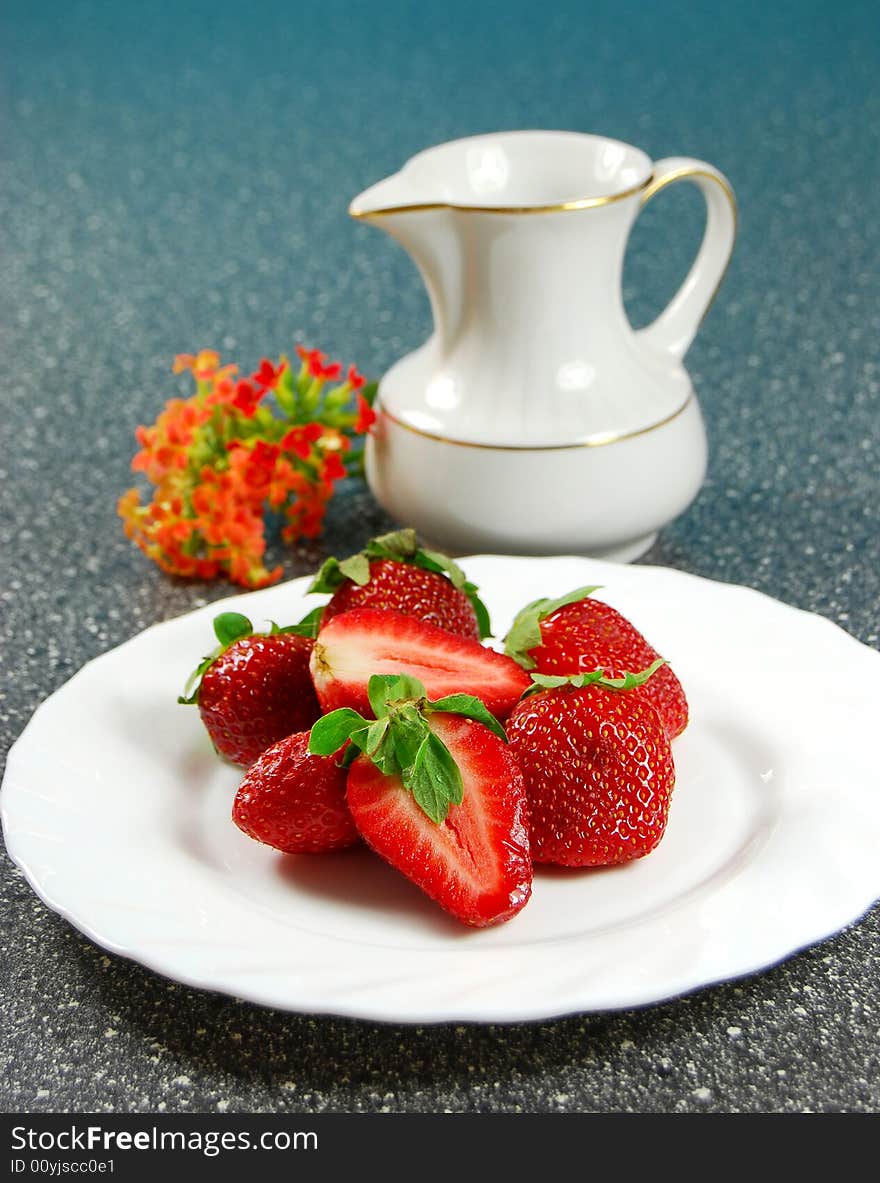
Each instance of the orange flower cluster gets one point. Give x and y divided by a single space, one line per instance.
237 446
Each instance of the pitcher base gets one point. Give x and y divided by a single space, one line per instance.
628 553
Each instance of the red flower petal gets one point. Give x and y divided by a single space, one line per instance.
247 398
366 415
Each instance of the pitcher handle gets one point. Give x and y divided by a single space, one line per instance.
677 325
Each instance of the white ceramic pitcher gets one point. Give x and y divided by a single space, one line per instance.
535 419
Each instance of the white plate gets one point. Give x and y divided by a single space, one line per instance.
117 811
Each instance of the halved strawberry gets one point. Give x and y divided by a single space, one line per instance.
295 801
438 795
577 633
368 641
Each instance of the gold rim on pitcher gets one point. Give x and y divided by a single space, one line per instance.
595 441
554 208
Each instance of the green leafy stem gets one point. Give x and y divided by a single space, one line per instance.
399 740
597 677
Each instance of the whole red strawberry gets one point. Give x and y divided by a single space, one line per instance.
394 571
576 633
438 795
295 801
599 773
254 689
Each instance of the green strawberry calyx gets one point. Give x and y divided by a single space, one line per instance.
230 627
309 626
597 677
399 740
402 546
525 632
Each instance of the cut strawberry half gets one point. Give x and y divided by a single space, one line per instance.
437 793
476 863
368 641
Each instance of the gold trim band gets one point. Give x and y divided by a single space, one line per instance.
554 208
685 173
596 441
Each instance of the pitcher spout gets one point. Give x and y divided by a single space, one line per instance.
427 232
393 195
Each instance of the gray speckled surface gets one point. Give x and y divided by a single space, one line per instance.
181 181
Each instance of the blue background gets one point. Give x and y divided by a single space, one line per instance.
176 176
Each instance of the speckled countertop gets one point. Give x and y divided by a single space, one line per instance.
181 181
